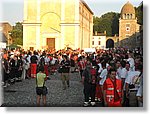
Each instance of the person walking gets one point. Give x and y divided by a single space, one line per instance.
65 65
112 90
41 89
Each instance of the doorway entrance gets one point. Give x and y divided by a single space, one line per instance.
50 43
109 43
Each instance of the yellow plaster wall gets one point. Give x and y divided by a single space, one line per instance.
51 6
69 11
30 36
69 36
32 12
50 23
86 27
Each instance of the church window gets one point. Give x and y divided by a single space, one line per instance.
125 16
127 26
92 42
99 42
131 16
128 16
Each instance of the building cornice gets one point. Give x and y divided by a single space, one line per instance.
69 24
87 6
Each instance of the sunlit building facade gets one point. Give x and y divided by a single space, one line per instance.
56 24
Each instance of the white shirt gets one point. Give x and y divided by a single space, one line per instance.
119 71
47 60
53 61
124 73
103 75
131 76
100 68
140 89
28 58
131 62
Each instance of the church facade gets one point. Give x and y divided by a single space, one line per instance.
56 24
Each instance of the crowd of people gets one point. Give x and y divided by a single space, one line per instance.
108 76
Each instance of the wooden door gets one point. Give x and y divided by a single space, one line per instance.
51 43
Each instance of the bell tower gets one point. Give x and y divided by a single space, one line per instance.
127 22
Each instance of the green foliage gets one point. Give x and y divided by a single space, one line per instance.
108 22
17 34
18 41
139 13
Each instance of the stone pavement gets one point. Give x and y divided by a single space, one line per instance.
23 93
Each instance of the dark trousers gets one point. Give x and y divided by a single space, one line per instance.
6 77
19 74
13 73
126 100
81 71
93 92
89 91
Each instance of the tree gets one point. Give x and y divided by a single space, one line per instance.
17 34
96 23
139 13
108 22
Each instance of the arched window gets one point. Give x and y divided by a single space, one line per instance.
128 16
125 15
131 16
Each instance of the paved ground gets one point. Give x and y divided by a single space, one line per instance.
23 94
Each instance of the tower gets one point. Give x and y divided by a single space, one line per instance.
128 26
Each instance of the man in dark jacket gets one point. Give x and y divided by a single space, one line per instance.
89 82
65 64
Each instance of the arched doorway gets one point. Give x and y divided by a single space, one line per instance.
109 43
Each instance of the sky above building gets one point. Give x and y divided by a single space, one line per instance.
12 10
